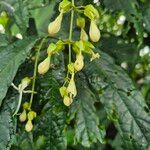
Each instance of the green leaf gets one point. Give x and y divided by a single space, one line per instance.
120 51
21 15
51 122
44 16
11 57
23 140
3 40
86 122
7 122
123 103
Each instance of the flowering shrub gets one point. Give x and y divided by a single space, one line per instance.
74 74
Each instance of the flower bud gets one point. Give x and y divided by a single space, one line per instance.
23 116
44 66
63 91
26 105
55 26
79 63
24 83
72 87
29 126
31 115
67 101
94 32
83 35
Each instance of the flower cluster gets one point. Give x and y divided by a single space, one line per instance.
69 91
28 115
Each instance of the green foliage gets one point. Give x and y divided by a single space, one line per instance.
7 122
113 91
51 123
123 103
11 57
86 122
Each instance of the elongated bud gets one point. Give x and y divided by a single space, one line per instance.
44 66
79 63
29 126
23 116
94 32
83 35
72 87
55 26
67 101
24 83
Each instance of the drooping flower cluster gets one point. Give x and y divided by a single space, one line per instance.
69 91
29 115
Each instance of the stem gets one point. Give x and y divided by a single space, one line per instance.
35 70
71 30
19 103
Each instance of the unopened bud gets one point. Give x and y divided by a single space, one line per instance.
79 63
44 66
31 115
26 105
55 26
83 35
72 87
24 83
23 116
94 32
67 101
29 126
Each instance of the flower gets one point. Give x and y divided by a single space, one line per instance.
67 100
24 83
83 35
55 26
44 66
23 116
71 89
94 32
79 63
29 126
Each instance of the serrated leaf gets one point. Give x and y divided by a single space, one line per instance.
3 40
123 103
21 15
86 122
7 122
121 51
11 57
51 122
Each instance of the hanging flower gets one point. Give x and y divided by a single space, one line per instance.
94 32
83 35
55 26
79 63
67 100
71 89
29 126
44 66
23 116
